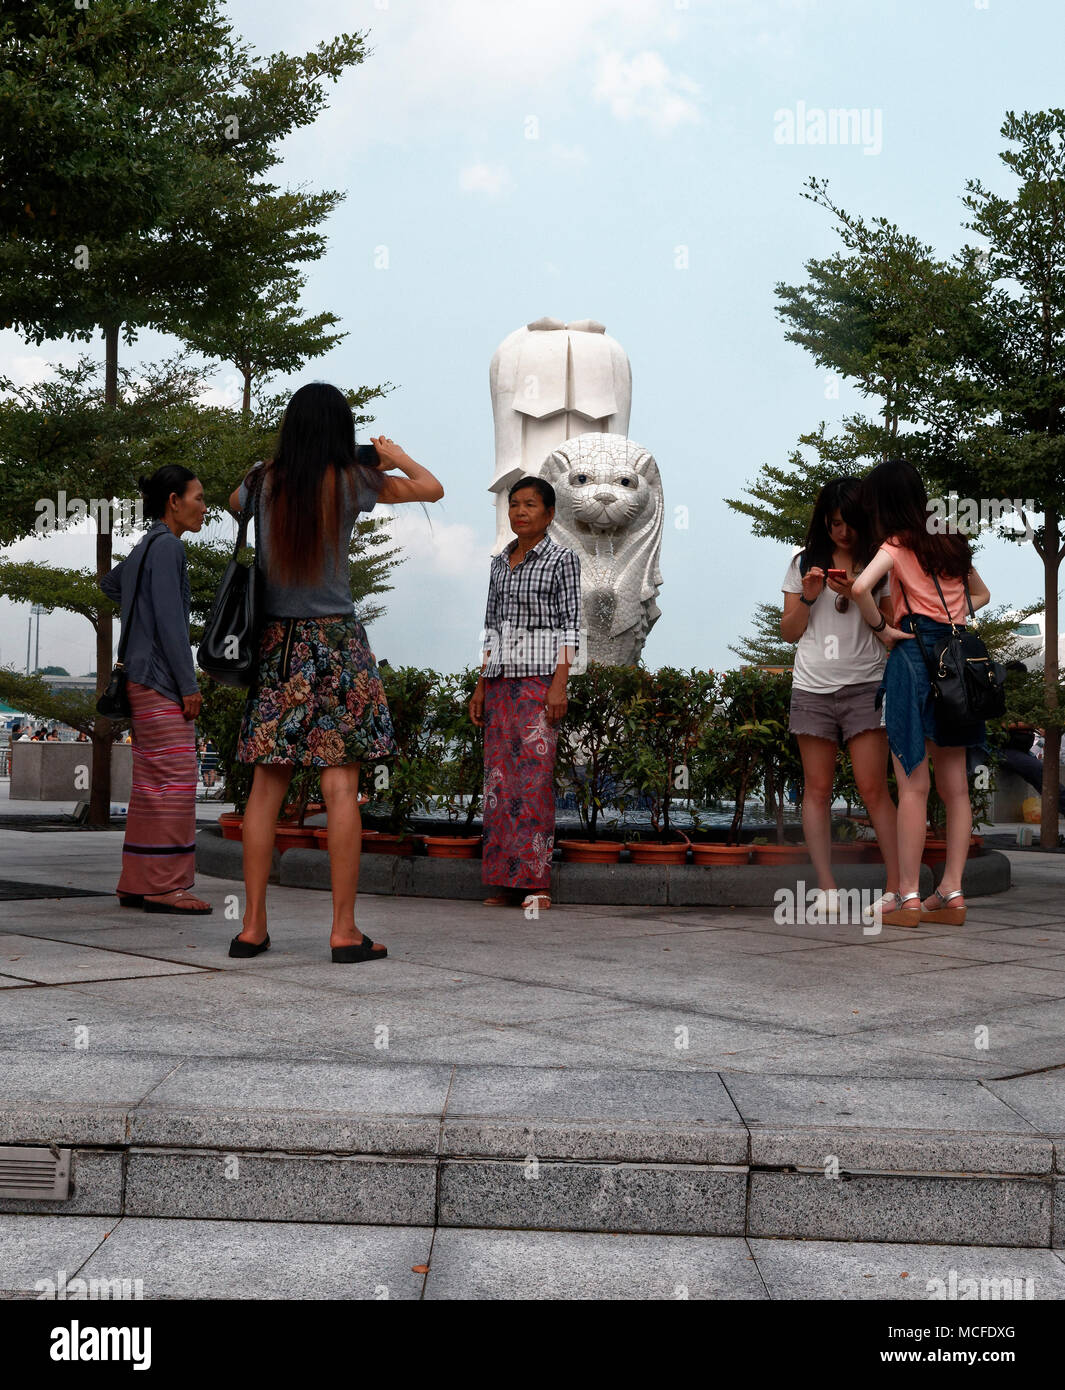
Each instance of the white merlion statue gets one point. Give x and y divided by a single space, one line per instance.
609 508
552 381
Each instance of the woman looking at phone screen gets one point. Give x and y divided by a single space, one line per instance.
839 664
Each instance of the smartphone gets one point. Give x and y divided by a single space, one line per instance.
840 576
367 455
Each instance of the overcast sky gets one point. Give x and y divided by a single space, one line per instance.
658 126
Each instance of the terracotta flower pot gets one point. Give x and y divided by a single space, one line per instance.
649 853
848 852
935 850
293 837
231 825
452 846
384 842
721 854
590 851
779 854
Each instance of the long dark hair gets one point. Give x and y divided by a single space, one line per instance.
315 456
841 495
156 490
897 503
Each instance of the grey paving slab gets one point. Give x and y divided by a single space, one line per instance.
34 1248
811 1269
933 1105
279 1187
668 1199
678 1035
1038 1099
1058 1239
836 1149
85 1098
941 1210
59 962
541 1265
986 946
631 1116
96 1187
251 1260
354 1107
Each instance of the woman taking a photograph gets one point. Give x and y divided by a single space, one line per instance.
159 854
837 672
319 701
532 622
929 574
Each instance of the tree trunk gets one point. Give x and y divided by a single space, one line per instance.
1048 824
100 795
245 404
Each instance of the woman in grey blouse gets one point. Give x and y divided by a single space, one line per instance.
159 854
532 626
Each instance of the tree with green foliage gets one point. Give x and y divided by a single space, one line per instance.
133 142
765 646
965 359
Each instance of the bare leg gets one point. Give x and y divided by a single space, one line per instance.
268 788
340 788
819 772
912 822
869 755
952 784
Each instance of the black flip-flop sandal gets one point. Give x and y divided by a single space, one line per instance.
242 950
352 955
179 911
130 900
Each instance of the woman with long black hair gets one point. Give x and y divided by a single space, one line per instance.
319 701
837 672
159 854
932 579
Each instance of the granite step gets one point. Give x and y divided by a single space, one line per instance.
526 1148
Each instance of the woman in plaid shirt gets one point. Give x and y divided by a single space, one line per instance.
532 623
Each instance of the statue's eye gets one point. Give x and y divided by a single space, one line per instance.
626 482
582 477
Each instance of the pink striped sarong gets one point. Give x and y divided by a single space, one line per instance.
159 854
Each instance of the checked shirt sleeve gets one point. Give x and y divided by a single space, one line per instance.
568 601
493 623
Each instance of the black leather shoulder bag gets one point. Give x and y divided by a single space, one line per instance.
229 649
967 684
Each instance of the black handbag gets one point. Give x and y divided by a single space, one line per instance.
114 702
229 648
967 685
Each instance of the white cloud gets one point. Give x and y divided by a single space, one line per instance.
492 179
574 155
644 88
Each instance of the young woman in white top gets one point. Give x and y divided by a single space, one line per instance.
838 668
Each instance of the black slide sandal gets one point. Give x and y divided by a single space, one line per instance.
352 955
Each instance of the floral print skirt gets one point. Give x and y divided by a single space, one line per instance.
519 802
319 701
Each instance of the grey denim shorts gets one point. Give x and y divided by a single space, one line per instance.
837 715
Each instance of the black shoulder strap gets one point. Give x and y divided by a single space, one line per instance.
123 641
943 601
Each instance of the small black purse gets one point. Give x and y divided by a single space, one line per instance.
967 684
229 648
114 702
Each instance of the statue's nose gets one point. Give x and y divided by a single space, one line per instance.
604 497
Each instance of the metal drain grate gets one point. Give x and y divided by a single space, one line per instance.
34 1174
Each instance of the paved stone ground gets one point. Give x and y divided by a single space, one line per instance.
960 1029
591 986
238 1259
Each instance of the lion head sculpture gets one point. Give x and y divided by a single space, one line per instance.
609 509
